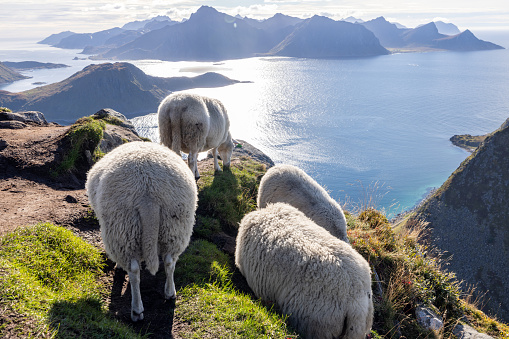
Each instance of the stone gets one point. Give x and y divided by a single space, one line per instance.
463 331
108 112
25 116
428 319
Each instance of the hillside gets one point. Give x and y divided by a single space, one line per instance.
468 218
213 299
321 37
8 75
121 86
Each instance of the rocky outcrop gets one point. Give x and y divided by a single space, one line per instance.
468 219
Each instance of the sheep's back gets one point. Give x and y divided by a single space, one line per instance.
310 274
120 185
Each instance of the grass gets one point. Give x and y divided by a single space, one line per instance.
51 279
5 109
84 135
218 310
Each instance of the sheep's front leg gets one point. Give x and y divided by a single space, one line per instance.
134 280
193 164
216 163
169 267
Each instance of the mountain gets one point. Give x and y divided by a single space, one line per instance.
465 41
120 86
54 39
422 36
447 28
208 35
321 37
389 34
353 20
469 219
82 40
8 75
277 27
140 24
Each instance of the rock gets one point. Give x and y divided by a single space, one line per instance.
114 136
26 116
428 319
70 199
245 148
13 124
108 112
462 331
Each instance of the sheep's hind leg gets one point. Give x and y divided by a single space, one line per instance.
134 280
216 163
169 267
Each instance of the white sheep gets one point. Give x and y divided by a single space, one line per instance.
145 198
192 124
291 185
319 281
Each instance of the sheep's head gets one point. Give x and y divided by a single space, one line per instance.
225 151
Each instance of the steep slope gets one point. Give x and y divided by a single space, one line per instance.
388 34
465 41
422 36
321 37
469 219
9 75
207 35
120 86
447 28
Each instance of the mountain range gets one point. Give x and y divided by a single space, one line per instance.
468 219
120 86
210 35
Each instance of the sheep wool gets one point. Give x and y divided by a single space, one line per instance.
291 185
193 124
145 198
319 281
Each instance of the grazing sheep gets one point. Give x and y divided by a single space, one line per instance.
145 197
193 124
291 185
319 281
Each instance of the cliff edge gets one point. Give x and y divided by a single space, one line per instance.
469 220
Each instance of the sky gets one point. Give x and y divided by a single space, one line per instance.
37 19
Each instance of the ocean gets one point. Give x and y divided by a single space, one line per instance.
373 130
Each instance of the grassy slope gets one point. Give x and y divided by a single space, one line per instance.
213 297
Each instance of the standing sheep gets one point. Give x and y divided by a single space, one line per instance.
291 185
193 124
319 281
145 198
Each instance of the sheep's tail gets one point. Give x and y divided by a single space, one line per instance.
176 130
150 218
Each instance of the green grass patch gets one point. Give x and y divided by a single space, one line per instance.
231 194
5 109
52 278
196 264
84 135
217 310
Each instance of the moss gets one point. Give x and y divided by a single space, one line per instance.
5 109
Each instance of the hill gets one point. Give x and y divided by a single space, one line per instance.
321 37
25 65
8 75
468 218
121 86
465 41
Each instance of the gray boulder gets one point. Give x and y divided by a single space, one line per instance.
108 112
24 117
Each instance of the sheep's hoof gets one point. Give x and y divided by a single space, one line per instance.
171 297
196 178
135 316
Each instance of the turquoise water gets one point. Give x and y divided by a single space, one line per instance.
376 127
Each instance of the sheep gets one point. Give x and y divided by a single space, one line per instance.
289 184
319 281
193 124
145 198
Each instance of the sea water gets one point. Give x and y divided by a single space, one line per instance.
374 128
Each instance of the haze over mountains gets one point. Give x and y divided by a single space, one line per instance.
209 35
